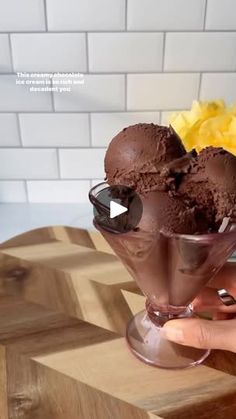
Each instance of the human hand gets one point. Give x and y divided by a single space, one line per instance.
207 334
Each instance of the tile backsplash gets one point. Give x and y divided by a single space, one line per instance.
141 60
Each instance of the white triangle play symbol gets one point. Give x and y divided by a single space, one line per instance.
116 209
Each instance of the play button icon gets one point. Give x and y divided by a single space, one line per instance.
117 209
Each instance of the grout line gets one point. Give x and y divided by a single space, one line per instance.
59 147
163 51
45 15
58 163
126 92
49 203
205 14
204 26
19 129
11 52
122 31
199 86
126 15
26 190
90 129
52 98
53 102
144 73
140 110
88 112
87 51
47 180
35 112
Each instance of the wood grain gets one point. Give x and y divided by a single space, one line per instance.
65 300
3 384
70 278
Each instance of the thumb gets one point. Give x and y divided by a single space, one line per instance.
205 334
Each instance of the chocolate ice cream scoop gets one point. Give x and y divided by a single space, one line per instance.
136 156
220 171
211 183
217 167
169 214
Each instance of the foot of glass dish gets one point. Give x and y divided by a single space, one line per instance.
148 344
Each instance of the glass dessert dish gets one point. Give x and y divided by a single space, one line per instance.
170 270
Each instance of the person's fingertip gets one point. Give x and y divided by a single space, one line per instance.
174 334
189 332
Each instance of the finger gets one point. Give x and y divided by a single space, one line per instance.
225 278
208 300
199 333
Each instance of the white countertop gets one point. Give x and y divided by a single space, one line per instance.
18 218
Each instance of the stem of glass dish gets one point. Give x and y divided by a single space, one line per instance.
160 316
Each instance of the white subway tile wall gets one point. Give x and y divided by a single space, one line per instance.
22 15
163 15
60 191
86 15
54 130
18 98
165 117
49 52
200 51
141 60
9 133
106 125
221 85
161 91
12 191
19 163
114 52
221 15
5 63
98 93
83 163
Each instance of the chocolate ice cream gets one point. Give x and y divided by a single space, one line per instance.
193 192
152 160
137 155
169 214
211 184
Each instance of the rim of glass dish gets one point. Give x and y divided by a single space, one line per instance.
196 237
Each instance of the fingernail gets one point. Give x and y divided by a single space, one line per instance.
173 334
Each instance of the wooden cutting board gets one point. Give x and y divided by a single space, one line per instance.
65 301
